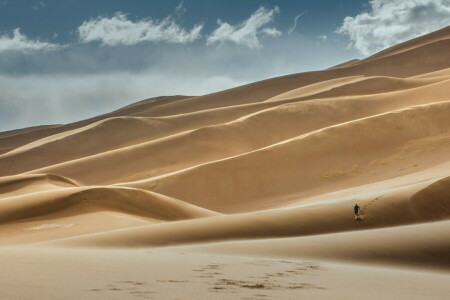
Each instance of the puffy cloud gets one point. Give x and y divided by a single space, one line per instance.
118 30
390 22
247 32
19 42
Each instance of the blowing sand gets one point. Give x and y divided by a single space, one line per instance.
246 193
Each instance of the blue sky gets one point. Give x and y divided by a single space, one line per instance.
64 60
44 18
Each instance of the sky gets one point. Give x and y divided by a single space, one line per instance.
66 60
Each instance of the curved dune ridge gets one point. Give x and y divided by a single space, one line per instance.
282 160
41 200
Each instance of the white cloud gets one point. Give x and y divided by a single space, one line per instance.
323 37
291 30
272 32
390 22
247 32
19 42
118 30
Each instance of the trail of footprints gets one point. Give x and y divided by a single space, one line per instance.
218 282
364 209
266 281
139 289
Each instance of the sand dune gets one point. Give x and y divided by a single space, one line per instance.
85 140
24 184
347 152
17 138
242 135
439 35
271 169
349 86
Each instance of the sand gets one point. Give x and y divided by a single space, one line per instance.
247 193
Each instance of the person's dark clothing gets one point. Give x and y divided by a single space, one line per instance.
356 208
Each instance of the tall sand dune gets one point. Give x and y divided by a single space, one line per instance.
247 133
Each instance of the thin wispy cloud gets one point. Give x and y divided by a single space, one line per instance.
19 42
294 25
38 6
180 9
119 30
390 22
247 32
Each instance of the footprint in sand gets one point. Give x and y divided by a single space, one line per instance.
133 288
209 271
367 205
268 281
223 284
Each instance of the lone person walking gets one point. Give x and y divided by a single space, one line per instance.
356 209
